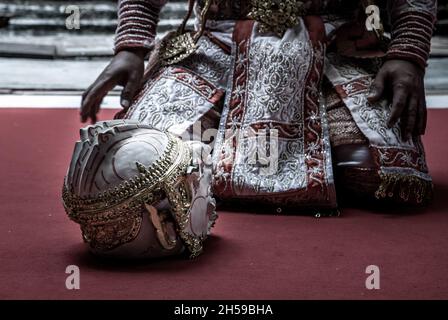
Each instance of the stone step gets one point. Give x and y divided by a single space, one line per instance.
98 17
38 14
439 46
442 27
89 10
45 26
48 10
40 17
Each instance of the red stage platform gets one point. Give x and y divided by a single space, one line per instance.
248 257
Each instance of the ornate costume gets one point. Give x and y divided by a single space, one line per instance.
138 192
273 88
298 83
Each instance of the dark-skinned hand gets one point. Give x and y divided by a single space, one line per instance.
402 83
125 69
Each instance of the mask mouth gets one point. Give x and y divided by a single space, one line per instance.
162 220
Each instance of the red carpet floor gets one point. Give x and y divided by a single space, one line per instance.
249 256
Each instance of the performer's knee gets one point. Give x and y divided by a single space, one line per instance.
357 177
355 172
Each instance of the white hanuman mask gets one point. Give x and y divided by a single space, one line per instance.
139 192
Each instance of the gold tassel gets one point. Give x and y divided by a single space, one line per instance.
408 188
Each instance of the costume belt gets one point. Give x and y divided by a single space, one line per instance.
273 16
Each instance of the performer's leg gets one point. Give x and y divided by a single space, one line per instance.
356 168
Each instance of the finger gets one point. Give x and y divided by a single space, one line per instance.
94 110
86 92
83 106
411 117
129 91
94 97
398 105
88 104
84 96
403 123
422 118
422 115
87 101
377 87
104 80
91 107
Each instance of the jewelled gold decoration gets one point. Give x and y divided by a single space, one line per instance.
276 15
114 217
179 45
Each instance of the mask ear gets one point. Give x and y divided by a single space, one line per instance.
159 224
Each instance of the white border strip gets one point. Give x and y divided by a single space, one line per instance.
52 101
437 101
113 102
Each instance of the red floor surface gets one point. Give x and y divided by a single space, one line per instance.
248 257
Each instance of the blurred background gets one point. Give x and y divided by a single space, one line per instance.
39 56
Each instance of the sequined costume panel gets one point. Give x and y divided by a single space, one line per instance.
343 129
273 91
266 84
185 95
273 84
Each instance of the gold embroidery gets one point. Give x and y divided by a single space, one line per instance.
342 127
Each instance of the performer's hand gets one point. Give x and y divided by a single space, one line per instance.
403 83
125 69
